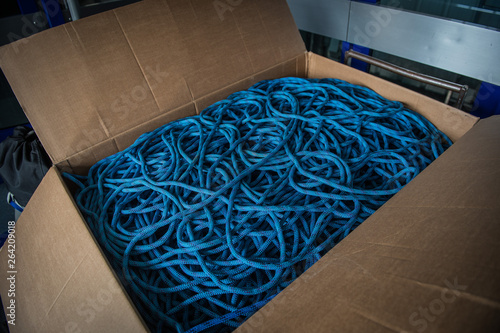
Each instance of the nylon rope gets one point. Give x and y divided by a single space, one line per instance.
207 218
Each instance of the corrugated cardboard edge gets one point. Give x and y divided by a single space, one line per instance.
427 261
63 283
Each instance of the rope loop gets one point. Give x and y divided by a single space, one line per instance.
207 218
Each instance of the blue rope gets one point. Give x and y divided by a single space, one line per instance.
209 217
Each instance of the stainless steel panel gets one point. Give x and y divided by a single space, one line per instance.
457 47
88 10
325 17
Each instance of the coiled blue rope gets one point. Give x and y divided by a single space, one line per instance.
207 218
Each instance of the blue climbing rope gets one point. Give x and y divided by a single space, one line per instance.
207 218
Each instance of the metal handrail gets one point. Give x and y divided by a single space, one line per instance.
450 86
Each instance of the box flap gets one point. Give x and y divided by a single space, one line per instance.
427 261
451 121
81 162
62 281
87 81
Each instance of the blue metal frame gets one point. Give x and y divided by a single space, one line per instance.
27 6
53 12
487 101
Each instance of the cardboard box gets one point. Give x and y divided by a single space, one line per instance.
428 260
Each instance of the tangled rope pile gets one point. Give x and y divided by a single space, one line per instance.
209 217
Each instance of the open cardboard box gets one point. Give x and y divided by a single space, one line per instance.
428 260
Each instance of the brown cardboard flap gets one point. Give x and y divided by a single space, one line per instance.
63 283
449 120
87 81
80 162
427 261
